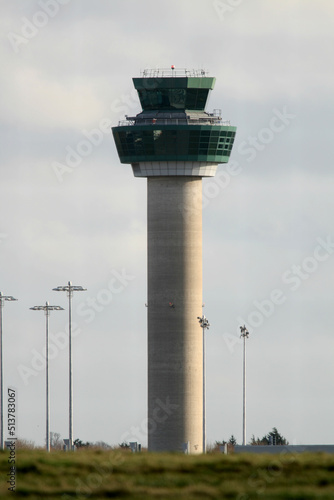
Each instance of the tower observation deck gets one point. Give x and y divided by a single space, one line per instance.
174 142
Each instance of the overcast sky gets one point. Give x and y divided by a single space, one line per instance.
71 211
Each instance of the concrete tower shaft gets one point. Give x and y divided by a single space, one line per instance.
174 142
174 302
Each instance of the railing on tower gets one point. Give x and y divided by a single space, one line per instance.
172 71
210 120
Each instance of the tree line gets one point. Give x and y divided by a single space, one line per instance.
272 438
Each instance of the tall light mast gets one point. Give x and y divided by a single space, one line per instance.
244 335
47 308
69 289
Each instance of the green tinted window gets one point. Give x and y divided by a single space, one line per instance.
152 144
163 99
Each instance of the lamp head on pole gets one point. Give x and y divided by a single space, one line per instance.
69 288
9 298
244 332
203 322
47 308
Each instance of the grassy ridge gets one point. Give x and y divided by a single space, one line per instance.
100 474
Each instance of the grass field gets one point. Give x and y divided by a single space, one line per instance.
117 474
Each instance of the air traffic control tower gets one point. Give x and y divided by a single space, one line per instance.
174 142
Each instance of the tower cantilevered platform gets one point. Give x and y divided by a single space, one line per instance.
174 142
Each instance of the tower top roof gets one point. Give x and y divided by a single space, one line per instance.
173 72
173 89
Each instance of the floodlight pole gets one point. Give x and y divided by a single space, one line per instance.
47 308
204 324
1 374
70 404
2 299
244 335
69 288
47 314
